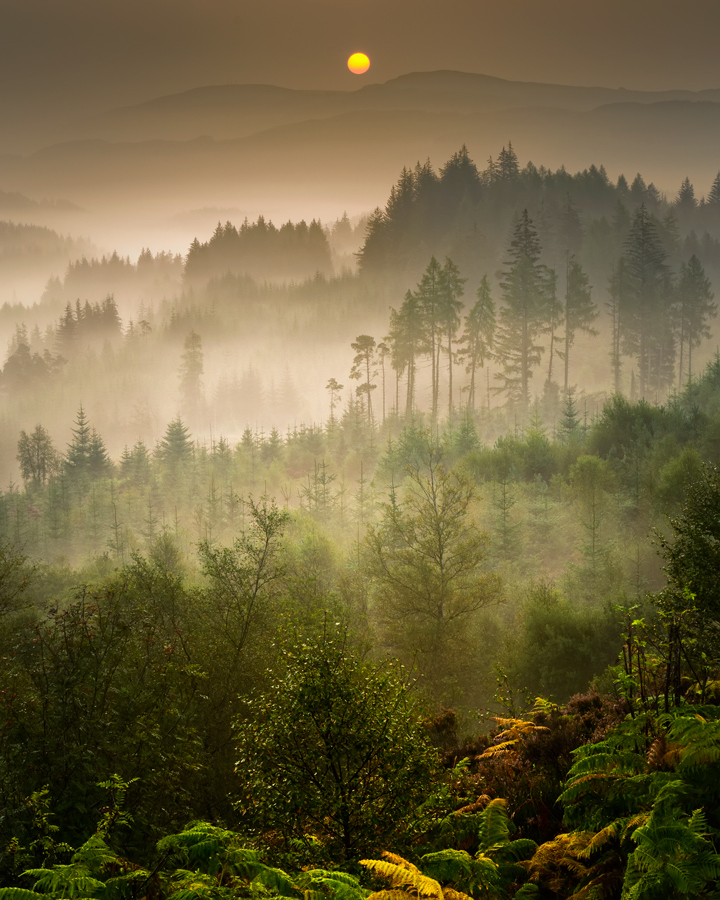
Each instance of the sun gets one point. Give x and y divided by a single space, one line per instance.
358 63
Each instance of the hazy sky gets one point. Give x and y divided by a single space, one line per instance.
90 54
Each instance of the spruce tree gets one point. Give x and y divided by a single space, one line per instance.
713 198
98 461
79 449
406 339
645 319
478 335
618 297
176 447
191 371
695 307
449 315
686 197
523 316
580 311
429 293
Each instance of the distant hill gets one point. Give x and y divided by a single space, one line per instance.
238 110
13 200
303 154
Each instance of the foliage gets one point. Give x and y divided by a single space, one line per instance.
649 793
334 751
493 871
427 561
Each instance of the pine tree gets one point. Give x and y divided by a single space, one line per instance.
555 314
382 352
449 315
507 167
176 447
364 347
191 371
686 201
406 339
580 311
459 180
478 336
618 294
713 198
38 458
570 228
524 314
695 307
569 425
78 454
646 315
334 387
429 293
98 461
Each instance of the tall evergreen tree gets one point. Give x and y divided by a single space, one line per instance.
191 372
78 453
478 335
686 200
695 307
449 315
37 456
407 341
523 316
646 314
713 198
176 447
580 311
430 292
98 461
618 297
364 347
334 387
555 314
507 168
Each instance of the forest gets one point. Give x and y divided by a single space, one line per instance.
368 559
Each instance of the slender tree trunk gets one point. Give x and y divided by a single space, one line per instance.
616 349
471 392
682 347
369 401
568 335
552 352
383 388
450 375
567 353
525 363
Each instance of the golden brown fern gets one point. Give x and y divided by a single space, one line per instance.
406 879
512 730
663 756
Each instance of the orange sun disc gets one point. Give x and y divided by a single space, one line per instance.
358 63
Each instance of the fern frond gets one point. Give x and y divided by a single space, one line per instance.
16 893
498 748
272 878
399 861
452 894
340 885
447 865
494 827
391 895
403 876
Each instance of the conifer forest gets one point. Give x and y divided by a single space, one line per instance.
373 557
